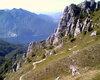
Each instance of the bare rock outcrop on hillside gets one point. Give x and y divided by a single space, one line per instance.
16 66
71 21
74 70
33 45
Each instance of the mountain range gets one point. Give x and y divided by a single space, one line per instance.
72 52
22 26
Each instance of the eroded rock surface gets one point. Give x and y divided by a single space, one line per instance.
71 22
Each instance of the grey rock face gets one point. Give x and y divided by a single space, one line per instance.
92 2
30 47
14 67
59 46
84 5
86 23
51 39
67 22
70 21
98 5
18 66
78 28
24 55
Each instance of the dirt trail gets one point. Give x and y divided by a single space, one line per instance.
34 67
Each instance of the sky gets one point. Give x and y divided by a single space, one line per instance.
38 6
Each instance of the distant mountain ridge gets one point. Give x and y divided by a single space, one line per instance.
56 16
72 52
22 26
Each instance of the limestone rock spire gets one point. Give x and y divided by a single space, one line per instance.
92 2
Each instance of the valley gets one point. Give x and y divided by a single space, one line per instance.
72 52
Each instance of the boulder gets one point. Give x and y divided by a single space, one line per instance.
58 78
74 70
93 33
52 52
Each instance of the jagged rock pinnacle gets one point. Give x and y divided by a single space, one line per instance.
69 22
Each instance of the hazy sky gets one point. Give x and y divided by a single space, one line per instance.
38 6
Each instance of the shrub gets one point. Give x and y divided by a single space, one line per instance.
73 39
1 78
90 28
65 38
32 54
63 33
59 42
69 36
97 77
49 47
43 43
98 32
43 56
28 60
53 52
84 32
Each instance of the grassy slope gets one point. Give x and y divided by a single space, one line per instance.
9 52
58 65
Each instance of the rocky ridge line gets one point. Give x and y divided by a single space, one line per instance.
71 22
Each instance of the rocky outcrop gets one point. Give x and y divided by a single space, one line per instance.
74 70
30 47
24 56
16 66
87 23
98 5
59 46
84 5
58 78
71 22
93 33
50 53
67 22
78 28
33 46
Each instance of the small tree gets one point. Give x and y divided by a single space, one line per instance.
43 56
90 28
28 60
